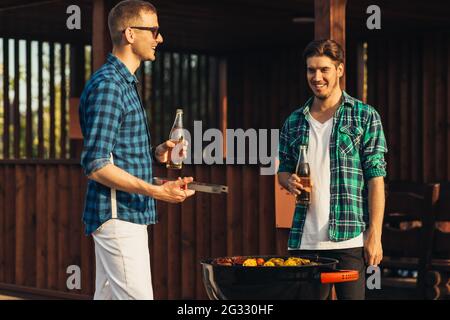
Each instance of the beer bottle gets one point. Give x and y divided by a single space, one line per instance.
176 136
304 174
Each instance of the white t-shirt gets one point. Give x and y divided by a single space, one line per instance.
315 231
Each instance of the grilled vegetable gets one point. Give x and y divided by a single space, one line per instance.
289 263
277 261
223 262
250 263
238 260
259 262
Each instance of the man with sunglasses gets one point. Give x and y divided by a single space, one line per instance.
117 158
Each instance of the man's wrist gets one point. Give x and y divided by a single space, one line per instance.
153 191
375 230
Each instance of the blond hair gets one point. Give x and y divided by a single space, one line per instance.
126 14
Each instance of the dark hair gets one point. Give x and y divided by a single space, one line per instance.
326 47
125 14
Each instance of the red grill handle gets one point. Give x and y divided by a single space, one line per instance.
339 276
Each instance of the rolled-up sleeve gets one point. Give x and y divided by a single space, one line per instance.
374 148
287 162
101 116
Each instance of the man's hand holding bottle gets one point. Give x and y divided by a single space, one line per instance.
172 153
162 151
298 185
173 191
294 185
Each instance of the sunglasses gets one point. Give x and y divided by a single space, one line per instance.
154 30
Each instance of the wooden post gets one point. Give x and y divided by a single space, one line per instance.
360 66
77 75
101 41
330 23
6 102
101 46
223 103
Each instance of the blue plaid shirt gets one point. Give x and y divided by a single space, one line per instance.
113 121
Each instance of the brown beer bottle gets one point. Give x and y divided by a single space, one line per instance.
304 174
176 136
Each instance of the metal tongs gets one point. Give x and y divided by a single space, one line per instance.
197 186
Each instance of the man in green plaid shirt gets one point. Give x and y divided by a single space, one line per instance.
345 150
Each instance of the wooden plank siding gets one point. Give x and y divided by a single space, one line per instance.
52 143
16 101
10 224
447 126
63 103
35 111
41 225
2 227
202 215
408 82
40 103
29 116
6 102
35 123
266 87
42 231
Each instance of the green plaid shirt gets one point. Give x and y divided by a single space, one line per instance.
357 148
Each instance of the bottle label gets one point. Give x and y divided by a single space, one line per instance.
306 183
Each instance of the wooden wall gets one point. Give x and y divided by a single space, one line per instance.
179 80
34 121
409 84
41 121
265 87
41 232
41 201
40 224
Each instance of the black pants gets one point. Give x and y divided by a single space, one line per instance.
349 259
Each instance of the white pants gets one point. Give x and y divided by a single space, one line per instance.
122 262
